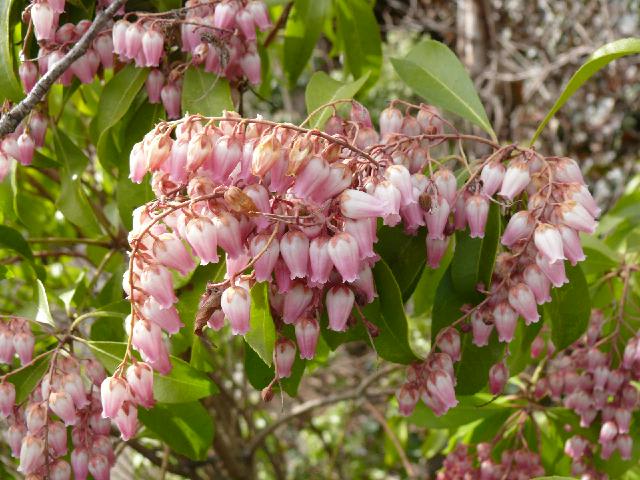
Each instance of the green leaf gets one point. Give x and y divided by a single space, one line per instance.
10 88
72 201
26 380
520 347
361 35
596 62
262 332
43 313
469 409
12 239
404 254
473 369
569 309
435 73
301 34
323 89
183 384
473 258
387 313
205 93
186 428
425 291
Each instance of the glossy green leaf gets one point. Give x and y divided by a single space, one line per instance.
387 313
404 254
569 309
205 93
469 409
323 89
183 384
473 258
262 332
26 380
187 428
12 239
301 34
10 88
360 32
425 291
596 62
43 313
473 369
520 347
434 72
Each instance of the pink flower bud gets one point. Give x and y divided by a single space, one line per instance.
491 176
481 331
407 397
23 343
296 302
575 447
519 228
7 398
571 245
28 75
14 435
265 155
410 126
224 14
245 21
202 236
624 444
523 301
608 432
555 272
400 178
157 282
364 283
82 69
429 119
171 252
99 467
113 392
44 21
576 216
137 163
538 282
339 303
265 264
440 387
284 355
103 45
7 350
567 170
72 384
445 182
311 177
437 217
152 46
38 128
476 212
119 34
549 242
60 470
236 305
32 451
580 194
57 438
515 180
390 121
449 342
228 234
80 463
343 251
140 378
250 64
498 376
170 95
260 14
133 40
294 248
147 339
154 84
623 419
390 198
436 249
26 148
505 321
364 231
320 262
357 205
57 5
307 333
62 405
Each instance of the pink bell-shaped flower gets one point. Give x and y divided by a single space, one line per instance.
320 262
23 343
265 264
481 331
491 176
113 391
555 272
446 185
294 248
505 320
57 438
154 83
245 21
498 376
437 217
147 339
515 180
224 15
449 343
250 65
62 405
140 378
343 251
99 467
522 299
260 14
72 384
576 216
400 178
364 283
364 231
28 72
548 240
26 149
339 301
170 95
152 47
103 45
7 398
307 333
166 318
407 397
476 211
440 386
296 302
229 235
44 21
202 236
171 252
236 305
284 354
571 245
520 226
32 452
436 248
157 282
538 282
390 121
80 463
357 204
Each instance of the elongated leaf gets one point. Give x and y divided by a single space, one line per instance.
596 62
404 254
26 380
358 27
323 89
425 291
43 313
9 86
13 240
262 332
470 409
569 309
387 313
186 428
473 258
205 93
183 384
435 73
301 34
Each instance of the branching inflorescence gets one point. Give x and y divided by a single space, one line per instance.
298 208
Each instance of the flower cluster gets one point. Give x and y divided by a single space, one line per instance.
218 35
15 339
521 464
586 379
36 429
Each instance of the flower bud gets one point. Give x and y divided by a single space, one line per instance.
147 339
576 216
523 301
236 305
339 301
343 251
98 466
265 155
72 384
157 282
26 149
62 405
515 180
548 240
476 212
152 46
32 452
357 205
57 438
294 248
440 387
7 398
481 331
519 228
44 21
154 83
265 264
140 379
296 302
113 392
170 95
307 333
498 376
437 217
555 272
28 75
284 355
407 397
390 121
491 176
505 321
202 236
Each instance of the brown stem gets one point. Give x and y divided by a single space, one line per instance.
282 20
